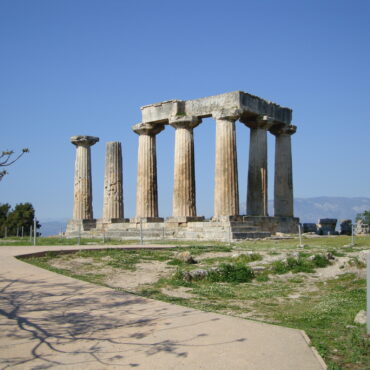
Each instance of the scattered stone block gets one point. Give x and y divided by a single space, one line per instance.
361 318
185 257
346 227
326 226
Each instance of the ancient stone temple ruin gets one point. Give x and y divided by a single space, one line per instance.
260 116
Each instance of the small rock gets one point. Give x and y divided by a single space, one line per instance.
185 257
363 256
311 258
350 326
258 268
198 274
330 256
360 318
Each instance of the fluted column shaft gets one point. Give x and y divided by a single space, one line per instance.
283 192
113 192
226 201
184 198
257 173
146 189
257 194
82 206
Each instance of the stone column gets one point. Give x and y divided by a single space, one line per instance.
184 200
257 196
113 193
146 188
283 192
82 207
226 197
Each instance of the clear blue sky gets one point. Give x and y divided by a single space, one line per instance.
70 67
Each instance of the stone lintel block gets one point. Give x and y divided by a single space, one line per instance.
184 219
137 220
249 105
84 140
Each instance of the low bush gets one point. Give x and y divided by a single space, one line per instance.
231 273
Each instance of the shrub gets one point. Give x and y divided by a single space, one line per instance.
320 261
232 273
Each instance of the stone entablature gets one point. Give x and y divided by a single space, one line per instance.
248 105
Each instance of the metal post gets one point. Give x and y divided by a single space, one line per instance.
79 235
353 236
141 232
17 231
6 232
34 231
22 232
300 235
368 293
31 234
103 236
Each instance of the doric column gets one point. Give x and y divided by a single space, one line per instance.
226 202
283 192
257 196
113 194
82 207
146 188
184 204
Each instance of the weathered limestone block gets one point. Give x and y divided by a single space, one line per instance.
113 187
283 190
326 226
248 104
361 227
146 189
346 227
257 194
226 202
82 206
184 200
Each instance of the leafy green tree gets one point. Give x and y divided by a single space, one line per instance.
4 212
364 216
21 216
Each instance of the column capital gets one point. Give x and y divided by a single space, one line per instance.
261 121
183 121
83 140
283 130
228 114
147 129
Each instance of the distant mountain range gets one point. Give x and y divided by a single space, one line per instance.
307 209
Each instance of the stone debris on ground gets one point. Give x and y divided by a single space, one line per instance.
360 318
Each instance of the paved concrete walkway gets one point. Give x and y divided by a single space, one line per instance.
50 320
